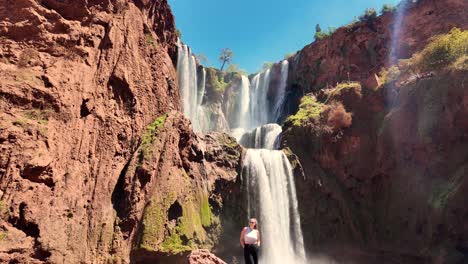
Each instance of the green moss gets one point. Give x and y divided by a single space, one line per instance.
3 209
3 235
174 245
442 192
21 122
226 140
205 211
149 135
41 116
154 218
308 109
150 40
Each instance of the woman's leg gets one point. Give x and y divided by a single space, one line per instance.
247 258
254 253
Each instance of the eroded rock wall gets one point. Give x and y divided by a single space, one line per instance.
91 136
357 51
392 183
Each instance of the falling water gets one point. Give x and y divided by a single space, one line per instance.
279 100
259 103
397 29
244 103
263 137
191 90
272 196
266 172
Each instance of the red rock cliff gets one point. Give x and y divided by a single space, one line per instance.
96 164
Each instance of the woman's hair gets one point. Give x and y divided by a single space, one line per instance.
256 222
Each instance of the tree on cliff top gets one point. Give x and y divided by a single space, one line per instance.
225 57
202 58
370 14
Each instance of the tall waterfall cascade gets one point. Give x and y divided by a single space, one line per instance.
192 89
267 173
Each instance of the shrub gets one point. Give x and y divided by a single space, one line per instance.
461 63
267 65
369 15
389 75
387 9
336 117
289 55
319 35
309 110
443 50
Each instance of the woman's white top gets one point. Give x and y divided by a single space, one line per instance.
251 236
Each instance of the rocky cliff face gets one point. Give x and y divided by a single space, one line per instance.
96 162
359 50
383 172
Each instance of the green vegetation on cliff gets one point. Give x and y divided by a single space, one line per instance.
308 109
216 79
343 87
443 192
153 222
149 135
188 229
447 50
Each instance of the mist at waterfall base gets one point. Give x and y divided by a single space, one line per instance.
267 175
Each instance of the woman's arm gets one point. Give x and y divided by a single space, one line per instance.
258 241
241 240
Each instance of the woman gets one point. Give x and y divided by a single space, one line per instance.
250 241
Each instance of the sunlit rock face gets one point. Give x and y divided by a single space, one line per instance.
394 179
357 51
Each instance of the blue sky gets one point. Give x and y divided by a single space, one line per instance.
258 31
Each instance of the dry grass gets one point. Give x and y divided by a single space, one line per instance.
29 57
336 117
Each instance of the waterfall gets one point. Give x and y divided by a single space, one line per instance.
397 30
266 172
192 88
279 100
272 197
259 114
244 119
263 137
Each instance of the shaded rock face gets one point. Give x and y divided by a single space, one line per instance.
394 182
90 137
180 175
357 51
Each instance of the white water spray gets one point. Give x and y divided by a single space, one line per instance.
191 90
266 172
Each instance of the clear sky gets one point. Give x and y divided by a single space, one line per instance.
259 31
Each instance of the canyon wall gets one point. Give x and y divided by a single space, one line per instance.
97 164
383 172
